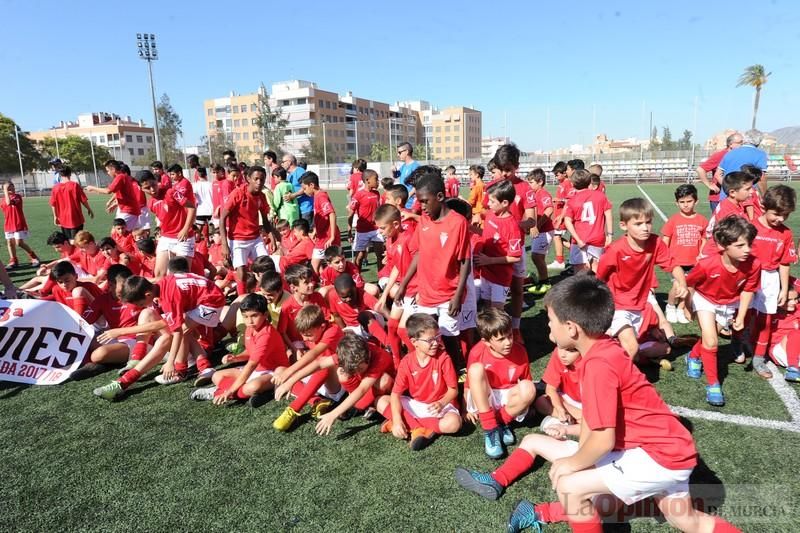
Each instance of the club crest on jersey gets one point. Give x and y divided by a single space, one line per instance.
511 374
443 238
514 245
435 377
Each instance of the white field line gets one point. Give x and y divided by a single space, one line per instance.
658 209
741 420
785 392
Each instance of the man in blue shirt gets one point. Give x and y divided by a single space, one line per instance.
406 152
748 154
293 175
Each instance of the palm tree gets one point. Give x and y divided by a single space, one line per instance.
754 76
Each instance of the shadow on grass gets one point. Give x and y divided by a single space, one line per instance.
9 389
355 430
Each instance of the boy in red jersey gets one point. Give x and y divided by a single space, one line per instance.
363 206
221 188
442 261
15 226
785 338
300 279
397 195
65 201
452 184
774 248
564 191
172 218
320 388
739 187
425 390
112 256
264 353
146 254
543 232
501 245
326 232
684 234
628 266
723 286
587 215
338 264
300 249
92 262
353 308
124 238
122 187
356 181
239 228
499 387
77 295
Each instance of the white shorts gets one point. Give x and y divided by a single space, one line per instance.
130 342
625 317
632 475
723 313
204 315
323 391
497 398
493 292
174 246
364 239
19 235
276 259
540 245
448 325
318 253
469 311
778 354
144 219
258 373
765 300
566 398
583 256
521 267
420 410
241 251
131 221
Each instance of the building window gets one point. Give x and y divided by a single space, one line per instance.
237 123
149 138
253 122
301 101
447 149
140 151
237 137
139 139
227 109
447 139
447 128
235 109
245 136
457 138
219 124
253 108
129 138
210 111
437 140
130 151
227 123
438 129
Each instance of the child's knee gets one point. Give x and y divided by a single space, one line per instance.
476 371
527 391
450 423
382 404
80 292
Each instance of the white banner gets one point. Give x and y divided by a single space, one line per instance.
41 342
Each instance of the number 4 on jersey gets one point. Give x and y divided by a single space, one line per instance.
587 213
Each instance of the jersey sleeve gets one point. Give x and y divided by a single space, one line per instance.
449 372
529 201
326 206
713 161
401 379
753 281
260 350
607 264
116 183
668 229
661 256
696 276
599 396
551 375
462 248
789 252
53 196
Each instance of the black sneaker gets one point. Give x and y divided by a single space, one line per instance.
89 370
257 400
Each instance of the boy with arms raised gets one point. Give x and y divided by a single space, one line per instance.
586 215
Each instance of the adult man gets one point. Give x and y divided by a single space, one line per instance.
55 169
405 153
748 154
707 169
293 175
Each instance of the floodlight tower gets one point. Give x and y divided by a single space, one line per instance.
146 44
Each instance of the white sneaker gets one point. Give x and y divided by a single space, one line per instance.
203 395
682 317
204 377
161 380
672 314
555 265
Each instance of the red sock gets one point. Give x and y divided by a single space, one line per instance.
793 349
505 417
79 305
367 400
723 526
594 525
762 330
550 512
377 331
488 420
203 363
224 384
709 357
393 340
241 288
139 351
519 462
403 334
129 378
241 395
694 353
462 340
181 368
560 258
309 389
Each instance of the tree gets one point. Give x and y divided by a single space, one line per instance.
378 152
754 76
9 161
271 124
421 151
666 139
315 151
655 145
170 127
75 151
218 143
686 141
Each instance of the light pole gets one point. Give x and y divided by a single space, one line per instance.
146 43
19 155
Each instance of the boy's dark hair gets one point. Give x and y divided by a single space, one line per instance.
635 207
232 167
107 242
250 282
57 237
157 164
507 157
687 189
272 155
254 302
384 213
280 173
584 300
780 198
429 180
310 178
344 282
216 167
118 222
559 168
595 178
145 175
493 322
281 223
135 288
262 265
65 171
537 175
352 351
125 169
418 323
753 171
731 228
332 252
146 246
296 273
398 190
62 268
230 153
387 182
175 168
733 181
271 282
178 265
478 169
117 273
367 174
359 165
448 168
460 206
502 191
201 171
308 318
576 164
581 179
116 165
302 224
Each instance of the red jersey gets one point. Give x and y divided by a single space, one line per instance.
289 309
220 190
66 198
784 323
170 214
525 199
429 383
323 208
399 255
348 311
148 263
265 346
125 242
364 204
180 293
12 211
564 191
500 239
183 192
629 273
140 197
329 274
567 379
773 246
617 395
118 314
65 297
587 210
442 245
544 201
710 166
501 372
133 263
243 210
407 225
724 209
356 183
300 253
289 240
685 235
92 263
754 201
717 284
215 254
451 187
380 363
124 189
330 337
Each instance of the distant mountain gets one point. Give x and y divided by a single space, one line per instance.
789 135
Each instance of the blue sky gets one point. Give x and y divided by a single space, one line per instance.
511 60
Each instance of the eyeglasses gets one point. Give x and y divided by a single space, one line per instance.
401 152
433 340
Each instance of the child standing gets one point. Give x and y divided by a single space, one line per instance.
475 199
288 211
451 182
543 232
65 201
15 226
564 192
587 214
363 206
326 232
738 186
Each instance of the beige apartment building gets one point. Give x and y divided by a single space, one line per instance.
455 133
125 139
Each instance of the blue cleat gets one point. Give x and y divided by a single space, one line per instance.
483 485
508 436
714 395
492 443
792 374
522 517
694 367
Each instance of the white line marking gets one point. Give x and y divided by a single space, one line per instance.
658 210
741 420
785 392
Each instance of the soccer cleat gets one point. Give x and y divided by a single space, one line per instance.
462 375
682 317
555 265
203 395
665 364
204 377
109 392
544 287
714 395
35 262
483 485
130 365
176 378
386 427
671 314
523 516
792 374
492 443
421 438
285 421
508 436
760 368
11 265
260 398
320 407
694 367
